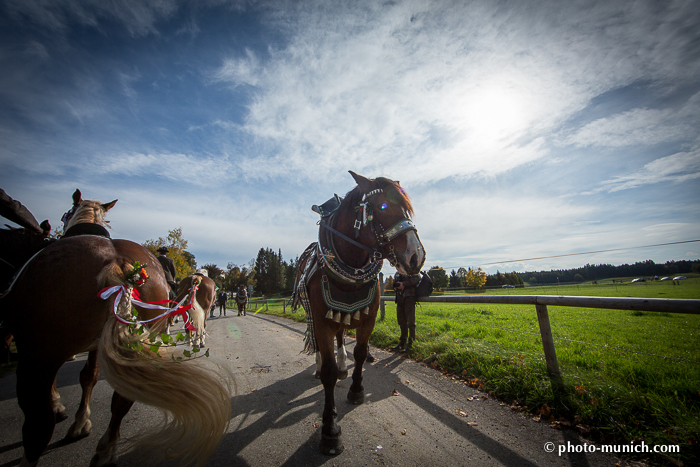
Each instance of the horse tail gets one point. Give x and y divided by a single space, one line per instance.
194 399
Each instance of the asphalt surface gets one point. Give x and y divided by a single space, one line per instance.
413 415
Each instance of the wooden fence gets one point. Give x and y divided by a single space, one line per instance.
662 305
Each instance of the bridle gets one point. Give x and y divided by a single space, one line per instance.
383 237
68 215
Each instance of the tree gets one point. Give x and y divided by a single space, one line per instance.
215 273
176 245
458 279
439 277
475 278
269 271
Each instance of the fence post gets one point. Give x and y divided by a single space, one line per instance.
266 308
381 292
550 355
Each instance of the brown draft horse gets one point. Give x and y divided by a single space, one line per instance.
54 312
204 290
241 300
371 223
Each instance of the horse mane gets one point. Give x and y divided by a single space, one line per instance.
88 212
391 189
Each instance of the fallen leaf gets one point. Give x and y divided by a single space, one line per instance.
395 393
461 413
403 432
471 423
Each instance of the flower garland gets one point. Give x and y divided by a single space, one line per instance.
138 276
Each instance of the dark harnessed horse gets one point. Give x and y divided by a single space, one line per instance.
337 279
241 300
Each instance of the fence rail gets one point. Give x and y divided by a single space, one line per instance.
661 305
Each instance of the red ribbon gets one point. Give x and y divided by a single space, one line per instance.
136 300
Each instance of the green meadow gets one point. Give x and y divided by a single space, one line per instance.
627 375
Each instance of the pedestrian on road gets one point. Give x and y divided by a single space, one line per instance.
169 270
222 302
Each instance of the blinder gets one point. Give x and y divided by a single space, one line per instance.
402 226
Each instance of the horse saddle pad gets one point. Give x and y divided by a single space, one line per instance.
348 302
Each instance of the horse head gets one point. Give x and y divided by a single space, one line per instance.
386 206
86 212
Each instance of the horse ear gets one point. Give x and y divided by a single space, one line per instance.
77 197
109 206
362 182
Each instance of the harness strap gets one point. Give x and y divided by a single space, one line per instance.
347 239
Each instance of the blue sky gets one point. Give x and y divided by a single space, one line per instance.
519 129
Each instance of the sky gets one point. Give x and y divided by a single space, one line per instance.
519 129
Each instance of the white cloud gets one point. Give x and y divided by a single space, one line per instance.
645 127
676 168
446 89
182 168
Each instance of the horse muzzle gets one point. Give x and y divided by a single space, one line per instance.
411 259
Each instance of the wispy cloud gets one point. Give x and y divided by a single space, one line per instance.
641 127
676 168
494 114
137 17
443 90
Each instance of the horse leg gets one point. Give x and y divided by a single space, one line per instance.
317 375
200 334
331 442
356 394
106 451
58 409
88 379
34 396
342 355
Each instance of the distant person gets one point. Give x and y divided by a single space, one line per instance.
169 270
222 299
405 287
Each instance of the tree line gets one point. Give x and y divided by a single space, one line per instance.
270 274
591 272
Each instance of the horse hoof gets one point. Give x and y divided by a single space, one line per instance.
331 446
356 398
343 374
61 416
74 434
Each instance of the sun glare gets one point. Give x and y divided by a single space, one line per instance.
495 113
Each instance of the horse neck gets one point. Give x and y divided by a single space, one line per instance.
87 215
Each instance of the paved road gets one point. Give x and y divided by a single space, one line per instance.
413 415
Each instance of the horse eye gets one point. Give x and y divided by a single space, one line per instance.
383 206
